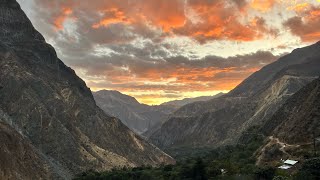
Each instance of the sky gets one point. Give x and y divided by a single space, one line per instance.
162 50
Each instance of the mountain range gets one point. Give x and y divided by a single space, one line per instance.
221 121
140 117
51 127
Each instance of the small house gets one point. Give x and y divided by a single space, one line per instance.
287 164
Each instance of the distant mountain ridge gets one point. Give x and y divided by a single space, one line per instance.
185 101
255 100
50 125
138 117
141 118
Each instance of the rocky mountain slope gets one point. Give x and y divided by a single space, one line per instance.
255 100
141 118
292 129
18 153
298 119
138 117
44 105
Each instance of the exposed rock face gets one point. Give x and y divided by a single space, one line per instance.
18 158
254 101
49 106
138 117
299 118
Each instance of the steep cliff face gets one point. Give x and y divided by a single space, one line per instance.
18 158
292 129
45 102
138 117
298 119
255 100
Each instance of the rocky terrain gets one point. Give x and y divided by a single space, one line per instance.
49 118
141 118
18 153
254 101
291 130
300 116
138 117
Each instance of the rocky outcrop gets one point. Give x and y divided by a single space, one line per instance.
138 117
292 129
298 120
255 100
49 106
18 158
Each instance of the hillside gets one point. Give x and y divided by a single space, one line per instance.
141 118
292 129
50 110
299 118
13 149
255 100
138 117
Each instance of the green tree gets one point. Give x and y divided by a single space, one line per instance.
213 170
199 171
310 169
265 173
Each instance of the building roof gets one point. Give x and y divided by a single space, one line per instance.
284 167
290 162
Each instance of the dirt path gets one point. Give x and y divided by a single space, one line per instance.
272 141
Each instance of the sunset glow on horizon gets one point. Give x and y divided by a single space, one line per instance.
158 51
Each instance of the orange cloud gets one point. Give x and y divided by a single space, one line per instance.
186 80
199 19
112 16
306 25
262 5
299 7
165 14
58 21
176 74
218 20
133 67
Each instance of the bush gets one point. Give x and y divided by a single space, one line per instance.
280 178
310 169
265 173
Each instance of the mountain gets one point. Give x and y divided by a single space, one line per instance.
138 117
14 149
299 118
292 129
49 116
185 101
141 118
221 121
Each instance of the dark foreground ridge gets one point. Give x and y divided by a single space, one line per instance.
46 107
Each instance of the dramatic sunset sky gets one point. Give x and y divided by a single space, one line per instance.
161 50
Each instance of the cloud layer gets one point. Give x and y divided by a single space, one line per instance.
169 49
